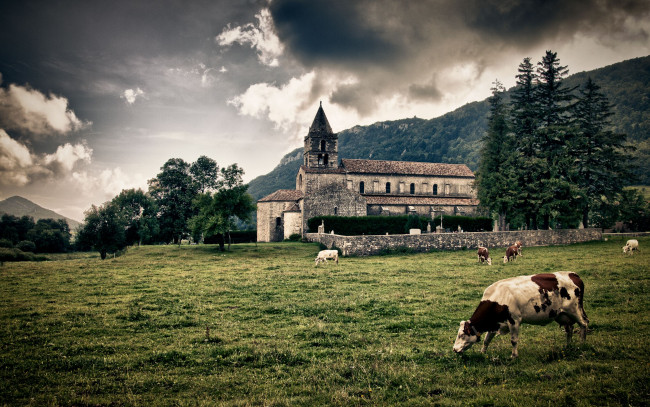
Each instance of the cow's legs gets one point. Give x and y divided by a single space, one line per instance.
487 340
514 338
568 328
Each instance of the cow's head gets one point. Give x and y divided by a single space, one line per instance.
467 336
626 248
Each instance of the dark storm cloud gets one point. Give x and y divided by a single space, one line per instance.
322 31
525 22
397 47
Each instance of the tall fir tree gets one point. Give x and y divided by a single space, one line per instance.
553 136
598 154
494 175
526 162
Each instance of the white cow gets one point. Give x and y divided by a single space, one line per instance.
537 299
323 255
631 246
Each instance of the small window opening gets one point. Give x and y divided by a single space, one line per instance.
278 222
435 189
362 187
412 189
326 159
388 187
336 210
320 159
322 145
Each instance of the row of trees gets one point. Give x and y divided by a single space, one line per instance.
43 236
549 155
198 200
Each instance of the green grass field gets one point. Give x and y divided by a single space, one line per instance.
260 325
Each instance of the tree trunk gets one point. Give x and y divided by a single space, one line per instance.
585 217
221 242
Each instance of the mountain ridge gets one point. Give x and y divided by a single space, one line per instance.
19 206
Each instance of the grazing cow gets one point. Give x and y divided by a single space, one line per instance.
511 254
631 246
484 255
323 255
537 299
518 244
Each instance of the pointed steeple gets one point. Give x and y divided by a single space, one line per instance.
321 143
320 123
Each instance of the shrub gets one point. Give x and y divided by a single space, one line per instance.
6 243
380 225
26 246
296 237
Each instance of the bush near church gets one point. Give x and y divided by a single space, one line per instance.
394 225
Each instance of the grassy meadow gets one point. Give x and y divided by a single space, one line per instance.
260 325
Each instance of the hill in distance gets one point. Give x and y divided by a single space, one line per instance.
456 136
19 206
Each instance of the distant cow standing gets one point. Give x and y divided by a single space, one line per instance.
511 253
484 255
518 244
537 299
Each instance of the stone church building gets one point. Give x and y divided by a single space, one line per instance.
360 188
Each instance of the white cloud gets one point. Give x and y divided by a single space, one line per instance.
261 37
130 95
110 182
25 109
15 160
66 156
281 105
20 167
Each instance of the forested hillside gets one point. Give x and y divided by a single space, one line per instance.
456 136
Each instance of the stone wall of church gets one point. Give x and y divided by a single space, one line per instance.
333 199
401 184
270 220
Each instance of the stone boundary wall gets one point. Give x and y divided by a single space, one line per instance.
374 244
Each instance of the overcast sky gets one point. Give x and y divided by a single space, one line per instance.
95 96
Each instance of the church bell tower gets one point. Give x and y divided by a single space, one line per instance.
321 143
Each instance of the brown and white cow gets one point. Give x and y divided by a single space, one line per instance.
484 255
537 299
511 253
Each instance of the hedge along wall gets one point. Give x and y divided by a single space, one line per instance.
377 244
380 225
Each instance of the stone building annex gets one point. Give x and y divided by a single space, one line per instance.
360 188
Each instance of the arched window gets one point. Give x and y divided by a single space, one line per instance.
362 187
412 189
322 145
388 187
278 222
435 189
326 159
336 210
300 181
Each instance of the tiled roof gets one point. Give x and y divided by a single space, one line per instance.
283 195
419 200
406 168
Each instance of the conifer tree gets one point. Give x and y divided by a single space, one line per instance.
598 154
553 138
493 175
526 162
